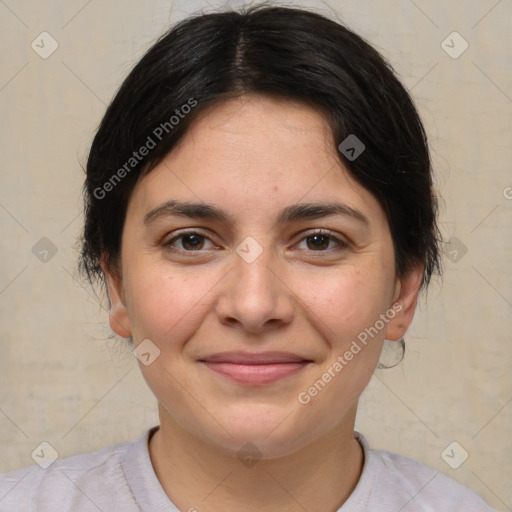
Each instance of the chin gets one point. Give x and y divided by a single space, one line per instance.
273 431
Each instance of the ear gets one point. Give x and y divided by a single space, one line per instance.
118 315
404 303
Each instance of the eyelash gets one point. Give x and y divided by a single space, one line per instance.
341 244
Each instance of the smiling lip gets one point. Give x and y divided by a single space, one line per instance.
255 368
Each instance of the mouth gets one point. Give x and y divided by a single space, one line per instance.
253 368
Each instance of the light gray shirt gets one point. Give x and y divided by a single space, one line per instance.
121 477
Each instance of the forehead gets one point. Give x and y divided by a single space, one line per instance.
254 151
259 130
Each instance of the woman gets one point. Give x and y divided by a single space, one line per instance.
259 205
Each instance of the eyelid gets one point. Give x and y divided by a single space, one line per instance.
341 241
184 232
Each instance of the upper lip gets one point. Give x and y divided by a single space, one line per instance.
254 358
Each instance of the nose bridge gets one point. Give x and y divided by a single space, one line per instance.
254 295
253 278
256 275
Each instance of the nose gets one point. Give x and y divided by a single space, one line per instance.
254 297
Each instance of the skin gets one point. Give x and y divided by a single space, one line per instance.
252 157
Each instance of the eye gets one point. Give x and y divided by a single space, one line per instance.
189 241
322 241
193 241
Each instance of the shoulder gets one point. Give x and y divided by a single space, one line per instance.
75 483
390 481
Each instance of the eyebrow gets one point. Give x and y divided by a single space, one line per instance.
293 213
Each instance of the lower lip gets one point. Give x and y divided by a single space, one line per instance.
256 374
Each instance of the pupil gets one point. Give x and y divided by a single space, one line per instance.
318 242
191 242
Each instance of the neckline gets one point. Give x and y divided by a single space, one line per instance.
149 494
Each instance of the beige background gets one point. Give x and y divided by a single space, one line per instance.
64 382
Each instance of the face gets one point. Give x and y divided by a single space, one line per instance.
254 264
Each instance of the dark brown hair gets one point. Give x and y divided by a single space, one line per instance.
283 52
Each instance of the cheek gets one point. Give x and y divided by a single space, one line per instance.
345 310
341 305
164 306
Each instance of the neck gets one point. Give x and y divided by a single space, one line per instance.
198 476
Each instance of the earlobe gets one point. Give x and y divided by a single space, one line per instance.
118 315
406 298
